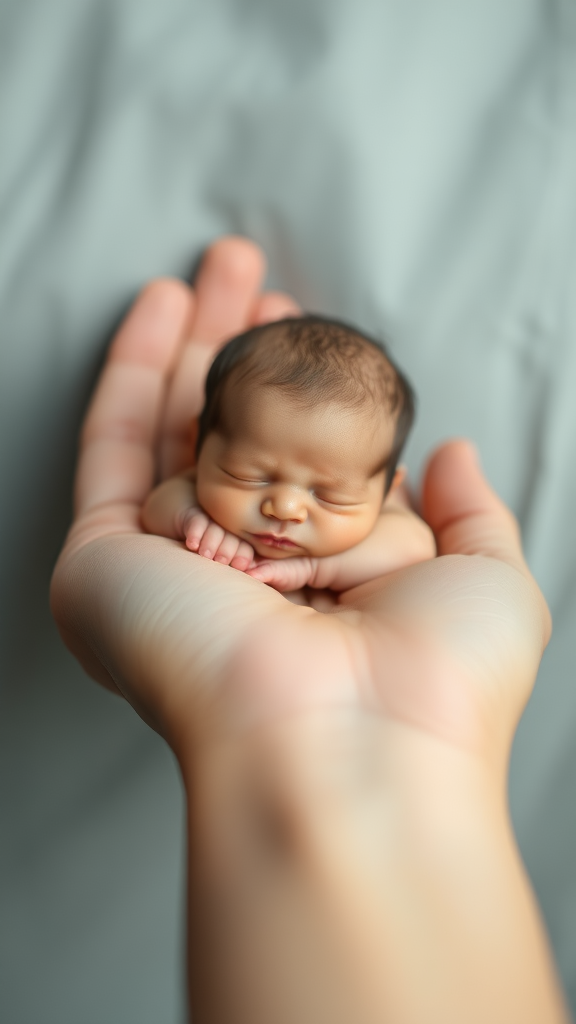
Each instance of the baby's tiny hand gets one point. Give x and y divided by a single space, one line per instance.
285 574
206 538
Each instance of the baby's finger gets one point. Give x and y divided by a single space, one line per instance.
226 290
194 526
211 541
227 549
285 574
243 557
263 571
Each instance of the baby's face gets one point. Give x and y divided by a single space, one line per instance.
294 481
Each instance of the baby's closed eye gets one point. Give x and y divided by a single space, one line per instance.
244 477
338 500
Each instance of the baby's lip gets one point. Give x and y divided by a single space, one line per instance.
275 540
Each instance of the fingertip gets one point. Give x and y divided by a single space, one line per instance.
238 258
240 563
192 543
275 306
227 285
454 447
454 484
257 573
165 293
465 513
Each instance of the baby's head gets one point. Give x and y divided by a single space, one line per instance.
300 435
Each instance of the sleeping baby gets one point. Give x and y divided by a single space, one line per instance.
296 479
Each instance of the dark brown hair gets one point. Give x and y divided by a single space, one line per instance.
312 359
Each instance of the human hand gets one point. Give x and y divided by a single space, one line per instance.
349 792
416 680
147 646
138 428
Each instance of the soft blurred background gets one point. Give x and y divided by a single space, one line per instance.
407 165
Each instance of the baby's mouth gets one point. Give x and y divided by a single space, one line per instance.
274 540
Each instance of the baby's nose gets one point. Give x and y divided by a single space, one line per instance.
286 504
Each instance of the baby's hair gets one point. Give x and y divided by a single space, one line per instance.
313 360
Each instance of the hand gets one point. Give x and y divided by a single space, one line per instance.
392 814
207 538
475 609
137 430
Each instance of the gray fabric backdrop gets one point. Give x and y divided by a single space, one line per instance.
406 165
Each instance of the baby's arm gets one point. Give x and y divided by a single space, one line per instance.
399 538
171 510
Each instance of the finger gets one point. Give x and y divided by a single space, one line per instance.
243 557
227 285
226 289
275 306
263 571
227 549
116 464
285 574
211 541
466 515
469 518
195 527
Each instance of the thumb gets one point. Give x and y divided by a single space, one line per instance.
466 515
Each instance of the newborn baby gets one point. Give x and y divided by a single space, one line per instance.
296 479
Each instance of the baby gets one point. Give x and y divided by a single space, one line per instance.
296 479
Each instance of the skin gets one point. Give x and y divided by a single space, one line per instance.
350 852
295 484
302 477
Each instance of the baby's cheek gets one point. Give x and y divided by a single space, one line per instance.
340 533
222 505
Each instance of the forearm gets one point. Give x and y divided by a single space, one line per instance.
349 871
399 538
163 510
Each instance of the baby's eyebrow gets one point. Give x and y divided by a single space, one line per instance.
380 466
342 484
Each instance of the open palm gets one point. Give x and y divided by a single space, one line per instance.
449 646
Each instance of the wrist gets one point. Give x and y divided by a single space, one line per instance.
398 858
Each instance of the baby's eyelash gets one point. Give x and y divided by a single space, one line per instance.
243 479
330 501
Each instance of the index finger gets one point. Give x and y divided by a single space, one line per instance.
117 443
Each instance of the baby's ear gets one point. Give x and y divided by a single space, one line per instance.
194 425
398 478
